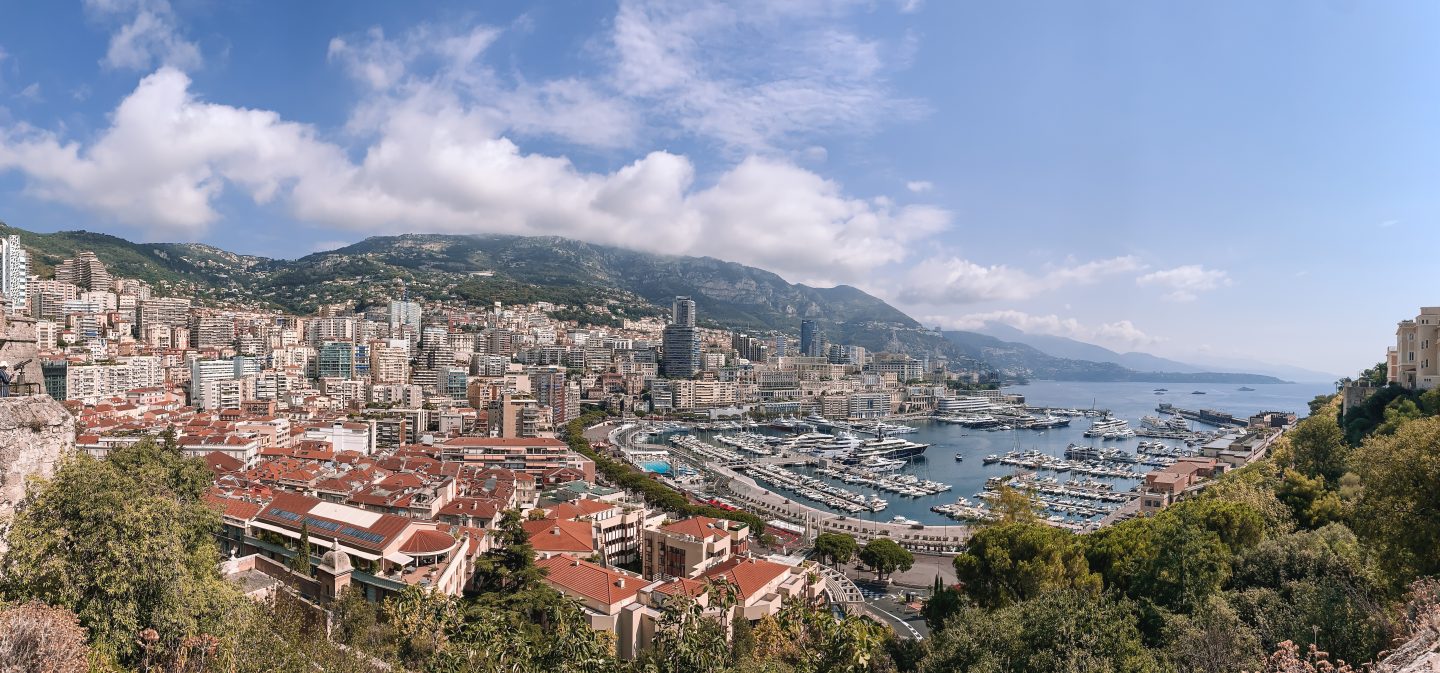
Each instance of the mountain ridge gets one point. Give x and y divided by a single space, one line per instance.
604 284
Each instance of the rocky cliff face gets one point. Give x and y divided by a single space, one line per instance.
35 433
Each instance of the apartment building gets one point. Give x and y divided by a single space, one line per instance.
689 547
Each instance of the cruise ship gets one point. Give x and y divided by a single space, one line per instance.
891 448
1110 428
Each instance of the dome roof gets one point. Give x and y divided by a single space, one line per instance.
336 561
426 542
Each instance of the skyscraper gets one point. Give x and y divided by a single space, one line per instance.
14 273
85 271
681 342
404 313
809 338
682 313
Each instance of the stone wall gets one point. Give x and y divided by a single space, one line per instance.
18 347
35 433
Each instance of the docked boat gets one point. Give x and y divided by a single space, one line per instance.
892 448
991 459
1110 428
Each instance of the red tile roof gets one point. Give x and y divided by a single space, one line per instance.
549 535
580 508
702 527
582 578
427 542
748 575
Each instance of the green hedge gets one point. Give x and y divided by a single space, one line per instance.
656 494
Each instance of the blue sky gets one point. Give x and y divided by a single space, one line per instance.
1198 180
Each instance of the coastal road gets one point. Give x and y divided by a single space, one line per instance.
886 603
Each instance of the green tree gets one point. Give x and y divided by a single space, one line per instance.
941 605
885 557
1317 448
1253 486
1213 640
1320 402
1070 631
1311 503
126 544
1178 558
1018 561
1400 411
300 562
1398 507
1309 585
509 568
1014 506
839 548
686 640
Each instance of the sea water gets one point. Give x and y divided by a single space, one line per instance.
1127 401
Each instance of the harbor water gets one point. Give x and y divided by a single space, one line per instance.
1127 401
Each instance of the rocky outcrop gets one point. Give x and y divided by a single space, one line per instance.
35 433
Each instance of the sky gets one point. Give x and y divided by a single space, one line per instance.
1203 181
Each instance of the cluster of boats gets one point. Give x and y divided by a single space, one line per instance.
903 484
1001 422
1067 504
851 450
1098 465
709 452
1172 424
1110 428
749 442
816 489
1163 449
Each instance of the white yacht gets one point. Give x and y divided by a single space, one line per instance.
1109 428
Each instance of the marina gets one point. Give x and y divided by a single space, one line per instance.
1075 480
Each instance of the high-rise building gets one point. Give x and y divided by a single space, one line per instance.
404 313
14 273
48 297
85 271
166 311
390 362
550 388
335 359
682 312
681 342
206 374
215 331
809 339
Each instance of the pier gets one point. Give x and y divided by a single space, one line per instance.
1206 416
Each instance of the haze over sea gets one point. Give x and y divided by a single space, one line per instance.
1128 400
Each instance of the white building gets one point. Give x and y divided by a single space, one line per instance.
14 273
89 383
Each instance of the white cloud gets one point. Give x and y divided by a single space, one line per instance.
433 163
165 157
1386 224
941 280
910 6
756 74
1185 283
147 35
1121 335
31 92
919 186
440 66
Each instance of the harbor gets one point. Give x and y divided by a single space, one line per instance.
1076 481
